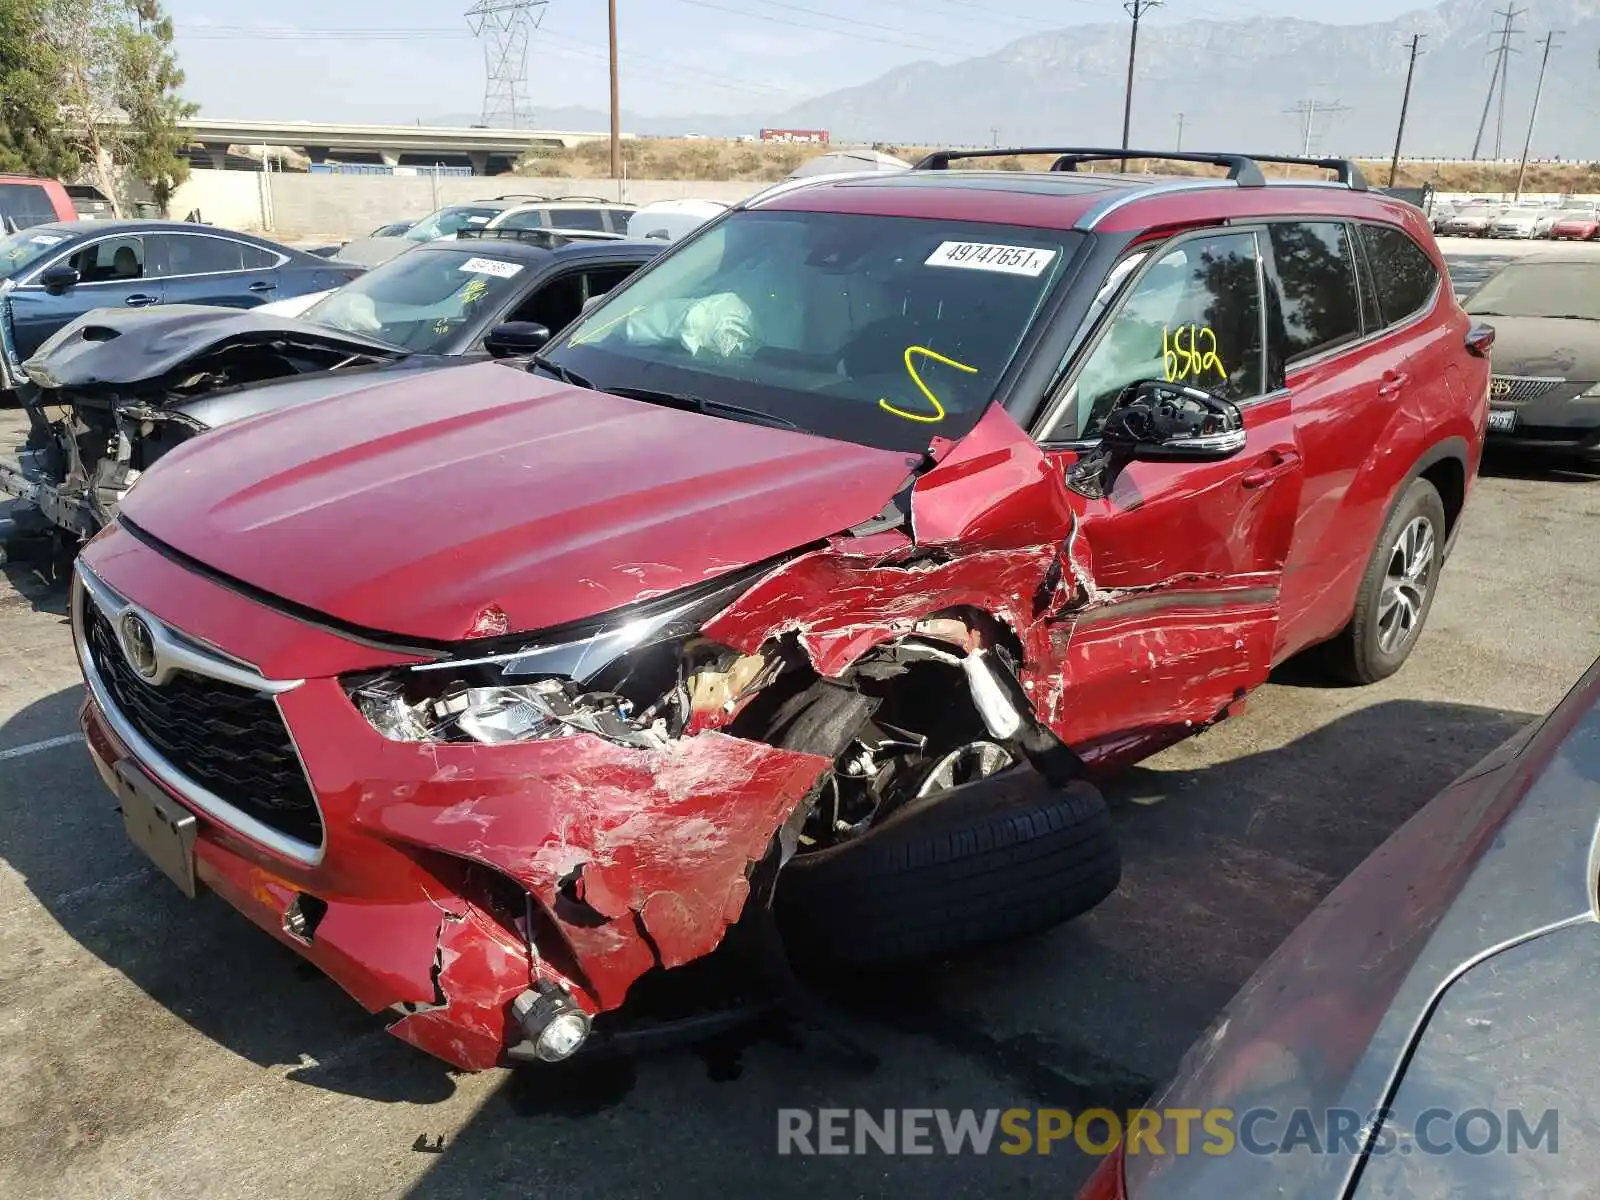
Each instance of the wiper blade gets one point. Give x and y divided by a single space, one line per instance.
565 374
699 404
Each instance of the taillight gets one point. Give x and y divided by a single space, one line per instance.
1107 1181
1480 338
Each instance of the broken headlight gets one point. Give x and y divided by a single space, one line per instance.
633 680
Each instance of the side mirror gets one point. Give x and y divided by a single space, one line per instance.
58 279
516 337
1173 422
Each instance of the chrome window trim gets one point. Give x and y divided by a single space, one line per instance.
142 235
186 655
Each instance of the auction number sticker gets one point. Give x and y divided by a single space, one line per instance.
988 256
491 266
46 239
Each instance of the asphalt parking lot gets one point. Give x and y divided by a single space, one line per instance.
152 1046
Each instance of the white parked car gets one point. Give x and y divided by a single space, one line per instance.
670 220
1520 222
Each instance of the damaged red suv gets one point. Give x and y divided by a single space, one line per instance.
797 590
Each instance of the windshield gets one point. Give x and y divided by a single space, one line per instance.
887 331
448 222
1541 290
20 250
420 301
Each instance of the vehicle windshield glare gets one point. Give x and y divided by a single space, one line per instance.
887 331
448 222
419 301
18 251
1541 290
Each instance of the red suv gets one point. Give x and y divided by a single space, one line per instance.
795 590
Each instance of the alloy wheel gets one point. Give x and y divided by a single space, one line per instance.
965 764
1406 583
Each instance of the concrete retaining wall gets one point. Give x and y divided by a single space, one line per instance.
294 207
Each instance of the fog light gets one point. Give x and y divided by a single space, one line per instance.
552 1021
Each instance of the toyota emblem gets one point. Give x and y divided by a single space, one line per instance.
139 645
1500 387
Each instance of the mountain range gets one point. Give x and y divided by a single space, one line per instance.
1244 82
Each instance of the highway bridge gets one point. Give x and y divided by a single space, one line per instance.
487 151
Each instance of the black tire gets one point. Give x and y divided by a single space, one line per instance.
998 858
1356 654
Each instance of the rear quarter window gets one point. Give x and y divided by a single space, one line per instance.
1403 275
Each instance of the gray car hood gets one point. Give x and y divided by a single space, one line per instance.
371 252
1547 347
113 347
1502 859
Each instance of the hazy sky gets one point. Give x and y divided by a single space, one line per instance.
404 60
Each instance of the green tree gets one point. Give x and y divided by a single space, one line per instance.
30 143
114 82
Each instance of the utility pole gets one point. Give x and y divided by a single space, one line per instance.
1307 111
1549 43
1135 9
1498 77
994 137
1179 146
1405 103
616 113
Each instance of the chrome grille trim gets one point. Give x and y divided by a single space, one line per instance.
1518 389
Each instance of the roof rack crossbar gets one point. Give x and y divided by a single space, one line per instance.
548 238
1241 168
1349 174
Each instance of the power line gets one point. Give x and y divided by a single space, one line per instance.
1498 77
1307 111
1549 44
1135 9
1405 103
942 51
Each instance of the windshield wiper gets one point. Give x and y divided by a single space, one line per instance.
565 374
699 404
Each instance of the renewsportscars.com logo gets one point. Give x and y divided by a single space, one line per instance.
1167 1131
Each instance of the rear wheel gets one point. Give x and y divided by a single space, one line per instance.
1397 590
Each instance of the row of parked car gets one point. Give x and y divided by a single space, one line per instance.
1576 220
770 595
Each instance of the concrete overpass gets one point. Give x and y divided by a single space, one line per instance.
422 144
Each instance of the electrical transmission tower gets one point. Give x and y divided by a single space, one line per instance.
505 27
1307 111
1498 78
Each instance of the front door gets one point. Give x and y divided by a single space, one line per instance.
112 273
1182 562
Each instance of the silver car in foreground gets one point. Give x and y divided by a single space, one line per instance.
1431 1029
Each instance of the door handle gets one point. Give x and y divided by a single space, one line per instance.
141 300
262 285
1392 382
1287 462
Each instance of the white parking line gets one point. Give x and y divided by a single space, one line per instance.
66 739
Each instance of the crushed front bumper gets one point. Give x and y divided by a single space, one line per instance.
448 877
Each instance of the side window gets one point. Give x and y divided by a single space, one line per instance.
196 254
531 219
110 261
578 218
1317 276
1404 277
599 280
24 205
255 258
1193 316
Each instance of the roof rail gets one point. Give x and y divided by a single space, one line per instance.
1241 168
549 239
1349 174
515 196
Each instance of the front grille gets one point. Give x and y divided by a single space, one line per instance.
228 739
1519 389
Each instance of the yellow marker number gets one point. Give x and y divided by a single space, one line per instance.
911 369
1189 352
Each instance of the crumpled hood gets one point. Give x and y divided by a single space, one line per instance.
1544 346
113 346
408 508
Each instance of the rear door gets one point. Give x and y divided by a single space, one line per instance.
201 268
1351 377
1185 559
113 272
